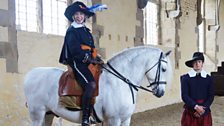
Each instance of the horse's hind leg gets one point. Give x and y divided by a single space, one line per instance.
49 119
37 117
99 124
59 122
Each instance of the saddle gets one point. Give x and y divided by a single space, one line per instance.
70 92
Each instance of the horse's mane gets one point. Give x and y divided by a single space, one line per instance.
169 73
132 52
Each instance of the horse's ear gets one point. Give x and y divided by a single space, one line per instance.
142 3
168 53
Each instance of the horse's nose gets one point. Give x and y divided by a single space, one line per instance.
159 93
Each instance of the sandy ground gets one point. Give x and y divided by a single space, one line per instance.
171 115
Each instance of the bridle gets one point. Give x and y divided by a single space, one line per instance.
157 81
131 85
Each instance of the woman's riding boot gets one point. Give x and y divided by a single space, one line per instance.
86 99
85 117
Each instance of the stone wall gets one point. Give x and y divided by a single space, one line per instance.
220 36
118 28
8 41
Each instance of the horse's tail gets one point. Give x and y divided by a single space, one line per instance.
26 104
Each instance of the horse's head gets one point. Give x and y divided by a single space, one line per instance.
158 74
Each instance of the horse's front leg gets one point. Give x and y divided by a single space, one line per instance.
126 122
113 122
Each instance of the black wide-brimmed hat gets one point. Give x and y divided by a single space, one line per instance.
196 56
76 6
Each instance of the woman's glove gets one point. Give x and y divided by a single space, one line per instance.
87 58
99 59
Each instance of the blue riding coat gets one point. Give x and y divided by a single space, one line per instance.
72 54
74 38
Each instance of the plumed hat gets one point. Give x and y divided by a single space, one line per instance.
75 7
196 56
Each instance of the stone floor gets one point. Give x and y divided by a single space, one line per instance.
171 115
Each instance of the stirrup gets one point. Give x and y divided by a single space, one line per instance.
92 120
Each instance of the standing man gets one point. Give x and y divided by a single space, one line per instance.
197 93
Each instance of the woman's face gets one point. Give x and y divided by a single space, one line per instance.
79 17
197 65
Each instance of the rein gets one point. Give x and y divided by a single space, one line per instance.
131 85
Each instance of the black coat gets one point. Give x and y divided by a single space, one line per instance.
74 38
197 88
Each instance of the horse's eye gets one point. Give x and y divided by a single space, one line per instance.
163 70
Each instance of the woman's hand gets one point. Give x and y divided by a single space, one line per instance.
200 109
196 114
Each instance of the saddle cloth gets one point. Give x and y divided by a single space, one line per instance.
70 92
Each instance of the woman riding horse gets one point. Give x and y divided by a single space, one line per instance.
79 51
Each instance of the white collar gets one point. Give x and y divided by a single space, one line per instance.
75 25
193 73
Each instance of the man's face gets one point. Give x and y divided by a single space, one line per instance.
197 65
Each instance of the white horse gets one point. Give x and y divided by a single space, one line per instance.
116 101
